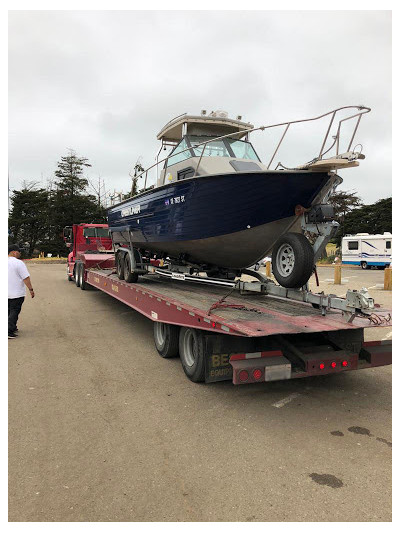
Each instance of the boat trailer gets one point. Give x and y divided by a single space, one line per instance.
356 303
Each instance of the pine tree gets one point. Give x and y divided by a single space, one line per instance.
69 202
28 216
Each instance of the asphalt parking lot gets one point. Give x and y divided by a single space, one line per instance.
103 429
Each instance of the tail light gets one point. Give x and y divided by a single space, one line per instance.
243 375
257 373
345 363
321 366
333 364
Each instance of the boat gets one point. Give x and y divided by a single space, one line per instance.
216 205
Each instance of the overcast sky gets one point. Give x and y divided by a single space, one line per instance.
104 84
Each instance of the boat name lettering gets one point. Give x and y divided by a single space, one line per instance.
132 210
178 275
175 200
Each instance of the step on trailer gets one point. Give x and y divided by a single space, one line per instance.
248 332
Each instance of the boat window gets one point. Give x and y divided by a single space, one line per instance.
213 148
353 245
179 157
389 244
243 149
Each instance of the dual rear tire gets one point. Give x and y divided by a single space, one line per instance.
124 267
79 274
188 343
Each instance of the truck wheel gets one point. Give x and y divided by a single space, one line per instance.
364 265
166 339
69 277
120 266
292 260
77 274
192 348
129 277
82 281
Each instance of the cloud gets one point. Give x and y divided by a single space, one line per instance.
104 83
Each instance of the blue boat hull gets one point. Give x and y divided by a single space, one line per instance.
227 220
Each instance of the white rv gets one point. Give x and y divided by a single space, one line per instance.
367 250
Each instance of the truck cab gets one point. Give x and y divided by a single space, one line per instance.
82 239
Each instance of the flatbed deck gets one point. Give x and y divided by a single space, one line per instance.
189 304
248 337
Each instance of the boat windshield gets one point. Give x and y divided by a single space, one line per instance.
242 149
224 148
218 148
213 148
179 156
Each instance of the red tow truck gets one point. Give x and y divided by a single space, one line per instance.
247 331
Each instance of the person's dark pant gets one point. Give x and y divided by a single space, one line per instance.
14 309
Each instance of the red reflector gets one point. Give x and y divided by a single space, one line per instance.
213 324
344 363
321 366
243 375
257 373
333 365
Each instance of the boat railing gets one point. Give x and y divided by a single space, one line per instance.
323 151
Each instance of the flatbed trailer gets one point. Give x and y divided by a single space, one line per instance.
247 338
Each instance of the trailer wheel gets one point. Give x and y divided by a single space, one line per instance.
129 277
292 260
120 265
192 348
166 339
77 274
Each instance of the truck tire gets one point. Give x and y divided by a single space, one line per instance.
76 274
292 260
120 265
82 282
129 277
166 339
192 351
69 277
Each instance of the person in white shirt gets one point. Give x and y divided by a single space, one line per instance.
18 278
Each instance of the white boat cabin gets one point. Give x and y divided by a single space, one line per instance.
221 156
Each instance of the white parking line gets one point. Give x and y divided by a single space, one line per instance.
286 400
344 280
